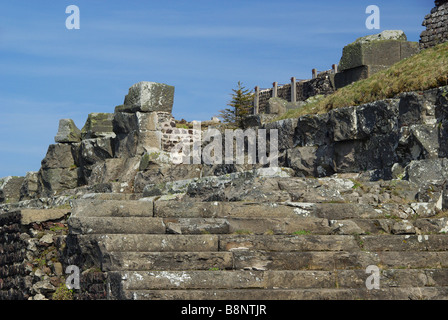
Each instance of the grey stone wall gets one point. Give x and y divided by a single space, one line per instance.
13 280
436 24
380 139
323 84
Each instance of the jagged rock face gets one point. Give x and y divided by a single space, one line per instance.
374 136
59 170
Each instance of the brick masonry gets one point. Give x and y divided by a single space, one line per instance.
436 24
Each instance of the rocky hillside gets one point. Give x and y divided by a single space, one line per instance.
354 189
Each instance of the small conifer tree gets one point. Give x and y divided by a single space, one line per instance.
240 106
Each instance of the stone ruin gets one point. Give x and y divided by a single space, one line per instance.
356 187
371 54
436 24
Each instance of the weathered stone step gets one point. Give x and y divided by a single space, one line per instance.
274 226
336 279
289 243
121 225
333 242
154 242
259 260
167 261
259 295
432 242
112 196
333 211
112 208
269 243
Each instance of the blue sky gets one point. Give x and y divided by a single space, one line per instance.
202 47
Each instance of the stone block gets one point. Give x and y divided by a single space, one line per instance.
346 77
58 179
96 150
59 156
286 129
312 130
147 121
383 49
149 141
10 189
420 171
30 186
302 160
276 106
148 97
67 132
343 122
98 125
40 215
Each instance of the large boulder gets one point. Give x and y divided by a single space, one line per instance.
422 171
276 106
10 189
59 170
67 132
30 186
302 160
59 156
148 97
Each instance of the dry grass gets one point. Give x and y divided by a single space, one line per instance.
425 70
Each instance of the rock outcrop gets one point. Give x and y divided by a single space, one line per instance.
356 187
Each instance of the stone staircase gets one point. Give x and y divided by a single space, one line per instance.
251 250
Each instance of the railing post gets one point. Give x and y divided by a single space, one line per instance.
275 90
293 89
257 100
314 71
335 68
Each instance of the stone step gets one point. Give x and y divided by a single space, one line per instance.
333 211
269 243
116 225
112 208
260 260
112 196
307 242
259 225
153 242
335 279
321 260
432 242
260 295
115 261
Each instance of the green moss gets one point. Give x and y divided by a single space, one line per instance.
301 232
63 293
